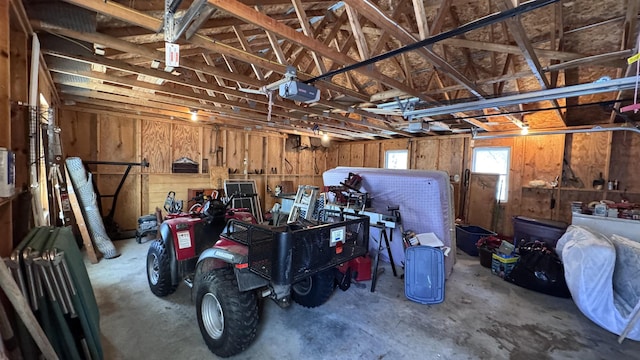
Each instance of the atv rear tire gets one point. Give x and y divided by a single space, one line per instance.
159 269
314 290
227 317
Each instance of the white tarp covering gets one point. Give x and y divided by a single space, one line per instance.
424 198
589 265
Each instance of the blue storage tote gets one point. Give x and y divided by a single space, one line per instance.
468 235
424 274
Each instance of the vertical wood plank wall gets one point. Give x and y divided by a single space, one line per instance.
277 158
14 66
267 159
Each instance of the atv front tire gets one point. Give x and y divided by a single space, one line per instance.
314 290
159 269
227 317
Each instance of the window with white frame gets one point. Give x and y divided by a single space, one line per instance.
494 160
396 159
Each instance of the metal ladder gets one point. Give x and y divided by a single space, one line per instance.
304 203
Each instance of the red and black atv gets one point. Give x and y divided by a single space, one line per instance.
248 262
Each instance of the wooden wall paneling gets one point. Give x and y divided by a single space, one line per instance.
344 154
372 155
513 205
235 151
542 158
357 155
156 145
160 184
307 180
141 209
306 162
536 203
145 204
274 157
257 148
395 144
625 152
208 148
78 134
128 206
425 154
332 156
20 144
224 136
186 142
118 142
292 156
587 155
321 159
450 155
20 60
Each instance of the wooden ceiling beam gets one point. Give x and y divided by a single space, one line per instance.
206 87
378 17
170 103
131 16
491 46
251 16
277 50
520 36
94 105
356 30
308 31
140 51
438 20
212 26
246 47
421 18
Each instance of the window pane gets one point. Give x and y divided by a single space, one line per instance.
396 159
494 160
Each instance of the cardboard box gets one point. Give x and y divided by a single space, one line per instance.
502 265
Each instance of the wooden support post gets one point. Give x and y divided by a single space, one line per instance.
21 307
82 226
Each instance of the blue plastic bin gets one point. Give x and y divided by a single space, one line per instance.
468 235
424 274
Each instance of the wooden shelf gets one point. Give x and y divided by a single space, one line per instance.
583 190
538 188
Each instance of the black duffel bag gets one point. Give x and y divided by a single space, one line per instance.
539 269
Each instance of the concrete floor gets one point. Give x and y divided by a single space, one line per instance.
482 317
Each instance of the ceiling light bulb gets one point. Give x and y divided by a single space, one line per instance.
525 130
325 141
194 114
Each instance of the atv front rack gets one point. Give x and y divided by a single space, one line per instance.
286 254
